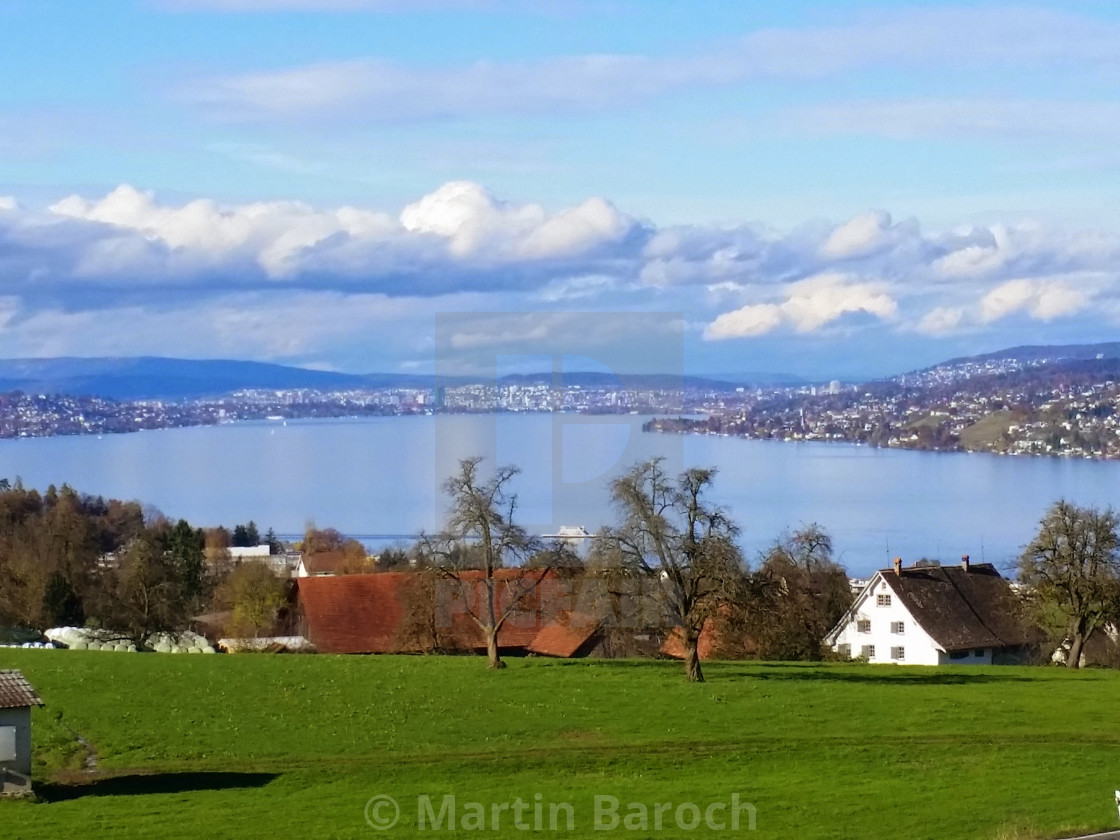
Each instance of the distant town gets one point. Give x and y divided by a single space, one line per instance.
1048 401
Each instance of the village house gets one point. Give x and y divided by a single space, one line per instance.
16 699
936 615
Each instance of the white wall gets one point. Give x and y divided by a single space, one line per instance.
919 648
984 657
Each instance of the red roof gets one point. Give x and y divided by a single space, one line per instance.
565 636
369 613
353 613
673 645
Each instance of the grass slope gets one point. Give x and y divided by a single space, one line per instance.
267 746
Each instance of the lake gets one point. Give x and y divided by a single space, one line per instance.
379 477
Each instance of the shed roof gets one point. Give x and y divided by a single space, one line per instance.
16 692
962 608
565 636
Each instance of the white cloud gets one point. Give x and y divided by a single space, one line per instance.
809 305
149 262
1044 300
287 238
860 236
7 202
272 233
940 320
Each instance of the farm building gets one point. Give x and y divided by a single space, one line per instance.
936 615
16 699
406 612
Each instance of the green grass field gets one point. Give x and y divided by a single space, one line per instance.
295 746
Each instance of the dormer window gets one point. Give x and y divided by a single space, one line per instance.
883 600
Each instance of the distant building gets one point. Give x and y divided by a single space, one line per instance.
834 386
237 553
16 699
936 615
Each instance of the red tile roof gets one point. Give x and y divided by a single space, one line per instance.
16 692
369 613
353 613
565 636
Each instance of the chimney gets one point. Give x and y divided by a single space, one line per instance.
898 566
964 562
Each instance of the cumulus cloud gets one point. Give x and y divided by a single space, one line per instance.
459 229
470 219
809 305
940 320
1044 300
83 257
866 234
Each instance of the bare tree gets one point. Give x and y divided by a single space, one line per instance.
799 595
479 539
675 541
1072 567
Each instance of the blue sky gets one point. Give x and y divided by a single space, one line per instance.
829 189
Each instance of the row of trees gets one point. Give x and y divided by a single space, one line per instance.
72 559
67 558
668 532
668 535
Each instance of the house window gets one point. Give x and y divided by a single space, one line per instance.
898 627
978 652
958 654
844 651
867 651
883 600
898 654
863 625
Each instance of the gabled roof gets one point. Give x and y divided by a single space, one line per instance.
16 692
962 608
354 613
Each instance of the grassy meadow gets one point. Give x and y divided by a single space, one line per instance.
266 746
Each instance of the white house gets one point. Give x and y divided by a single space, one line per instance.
935 615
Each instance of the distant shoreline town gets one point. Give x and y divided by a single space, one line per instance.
1025 401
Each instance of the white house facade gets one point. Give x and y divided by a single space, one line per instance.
933 615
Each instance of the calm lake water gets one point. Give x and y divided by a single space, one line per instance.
380 477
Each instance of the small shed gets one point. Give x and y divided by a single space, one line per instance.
16 699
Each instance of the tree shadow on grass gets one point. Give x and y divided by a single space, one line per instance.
881 674
142 784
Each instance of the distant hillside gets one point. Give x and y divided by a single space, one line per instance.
1037 352
152 377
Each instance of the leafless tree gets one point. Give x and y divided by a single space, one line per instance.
1072 569
480 538
677 543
